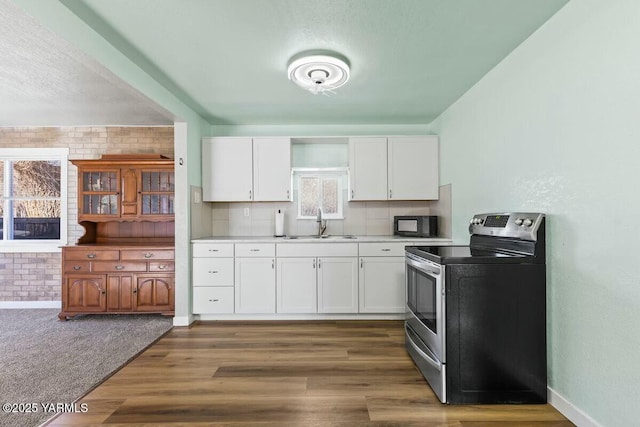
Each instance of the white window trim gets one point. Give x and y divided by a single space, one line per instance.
297 173
62 154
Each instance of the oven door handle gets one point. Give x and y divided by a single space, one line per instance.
429 358
421 266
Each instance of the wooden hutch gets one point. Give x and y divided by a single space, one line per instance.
124 263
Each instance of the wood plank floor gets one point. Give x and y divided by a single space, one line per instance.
342 373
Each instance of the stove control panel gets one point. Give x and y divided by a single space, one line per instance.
517 225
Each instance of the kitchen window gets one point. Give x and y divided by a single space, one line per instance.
33 199
320 188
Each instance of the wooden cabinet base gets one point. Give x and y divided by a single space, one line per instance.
66 315
118 279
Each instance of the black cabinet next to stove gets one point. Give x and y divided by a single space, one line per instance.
496 334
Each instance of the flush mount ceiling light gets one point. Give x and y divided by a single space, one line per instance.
318 73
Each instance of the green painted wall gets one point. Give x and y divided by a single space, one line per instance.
555 128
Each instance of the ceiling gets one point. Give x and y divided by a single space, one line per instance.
227 59
45 81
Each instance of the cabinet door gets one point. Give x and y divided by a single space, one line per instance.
413 168
227 171
84 294
120 293
271 169
382 285
297 285
154 293
255 285
368 168
338 285
156 193
129 194
99 194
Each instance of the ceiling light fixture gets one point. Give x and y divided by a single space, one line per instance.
318 73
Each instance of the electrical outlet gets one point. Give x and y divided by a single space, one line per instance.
197 197
246 211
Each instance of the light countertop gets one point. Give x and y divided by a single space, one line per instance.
331 239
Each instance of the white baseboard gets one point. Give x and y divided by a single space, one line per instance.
313 316
182 320
31 304
569 410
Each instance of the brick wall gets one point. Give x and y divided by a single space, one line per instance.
36 276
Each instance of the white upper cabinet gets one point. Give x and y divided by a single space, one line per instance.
227 169
368 168
413 167
393 168
271 169
246 169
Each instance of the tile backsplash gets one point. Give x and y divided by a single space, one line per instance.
360 218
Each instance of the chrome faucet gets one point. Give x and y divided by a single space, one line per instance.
322 224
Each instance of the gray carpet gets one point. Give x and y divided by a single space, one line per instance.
43 360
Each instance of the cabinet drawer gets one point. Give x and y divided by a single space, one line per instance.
213 271
162 266
255 250
209 299
212 250
91 254
146 254
117 266
383 249
76 267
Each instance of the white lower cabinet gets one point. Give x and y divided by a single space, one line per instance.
212 278
213 300
299 278
296 285
317 285
255 275
382 285
338 285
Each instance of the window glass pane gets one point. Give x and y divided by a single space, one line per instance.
100 205
100 181
33 178
330 196
36 219
157 181
309 196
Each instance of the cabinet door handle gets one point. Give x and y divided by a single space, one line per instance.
91 256
213 250
103 291
352 193
361 263
273 263
214 300
162 267
148 255
318 263
76 267
254 250
386 250
119 267
314 263
135 290
288 194
213 271
249 194
390 194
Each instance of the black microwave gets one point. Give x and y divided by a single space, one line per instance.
416 225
